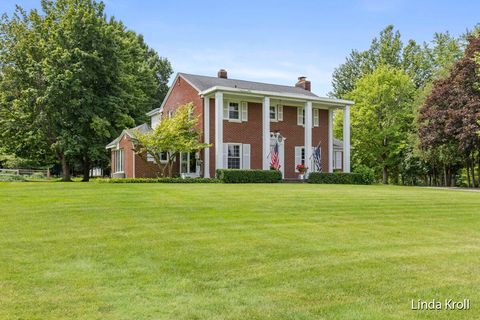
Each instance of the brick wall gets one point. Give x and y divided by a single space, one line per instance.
250 132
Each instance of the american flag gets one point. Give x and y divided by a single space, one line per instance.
275 159
317 159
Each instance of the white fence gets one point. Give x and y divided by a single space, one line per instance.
23 172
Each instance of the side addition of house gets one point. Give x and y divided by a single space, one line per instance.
243 121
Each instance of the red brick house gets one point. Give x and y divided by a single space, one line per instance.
243 120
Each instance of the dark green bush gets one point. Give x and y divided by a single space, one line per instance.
249 176
157 180
337 178
367 173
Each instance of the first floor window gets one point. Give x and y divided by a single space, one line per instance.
337 160
233 156
164 156
119 160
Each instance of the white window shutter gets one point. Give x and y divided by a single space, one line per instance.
225 156
298 157
300 116
246 156
316 119
225 111
280 112
244 111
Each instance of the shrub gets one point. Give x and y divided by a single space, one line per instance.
11 178
157 180
337 178
249 176
368 174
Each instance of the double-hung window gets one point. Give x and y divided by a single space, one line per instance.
119 161
234 111
276 113
273 113
234 155
301 117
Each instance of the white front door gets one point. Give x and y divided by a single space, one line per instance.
281 153
189 166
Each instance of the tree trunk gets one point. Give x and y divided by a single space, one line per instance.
473 172
478 169
468 174
445 175
385 175
86 169
65 169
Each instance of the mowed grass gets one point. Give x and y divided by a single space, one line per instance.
201 251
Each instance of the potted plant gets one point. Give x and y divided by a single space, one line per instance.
302 169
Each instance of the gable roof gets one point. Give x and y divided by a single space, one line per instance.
207 84
143 128
202 83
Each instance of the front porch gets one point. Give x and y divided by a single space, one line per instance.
272 111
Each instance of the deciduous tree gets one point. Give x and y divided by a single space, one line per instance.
172 136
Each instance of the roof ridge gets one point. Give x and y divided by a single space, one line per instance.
258 82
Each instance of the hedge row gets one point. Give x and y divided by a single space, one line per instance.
338 178
248 176
157 180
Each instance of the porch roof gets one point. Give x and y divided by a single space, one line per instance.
206 85
143 128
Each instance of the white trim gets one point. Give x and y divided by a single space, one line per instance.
206 136
266 132
195 174
278 94
280 112
330 140
133 164
219 130
308 134
346 138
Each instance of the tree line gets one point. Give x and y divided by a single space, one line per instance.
416 115
71 79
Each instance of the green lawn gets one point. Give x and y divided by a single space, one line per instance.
198 251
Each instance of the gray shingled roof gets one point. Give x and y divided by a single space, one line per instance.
203 83
142 128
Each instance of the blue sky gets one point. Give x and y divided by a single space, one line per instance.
277 41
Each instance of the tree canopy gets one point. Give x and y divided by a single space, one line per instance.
71 79
171 136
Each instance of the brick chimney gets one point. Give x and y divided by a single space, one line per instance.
222 73
303 83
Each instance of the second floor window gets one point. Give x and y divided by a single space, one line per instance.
233 111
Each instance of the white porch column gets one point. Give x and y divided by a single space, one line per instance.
308 136
266 132
219 130
206 136
346 138
330 140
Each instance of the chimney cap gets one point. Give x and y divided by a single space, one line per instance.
302 78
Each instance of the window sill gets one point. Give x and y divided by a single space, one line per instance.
234 120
